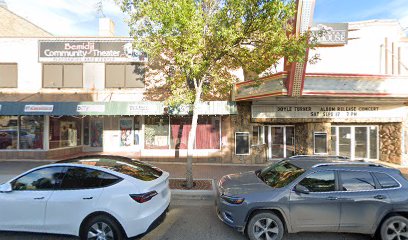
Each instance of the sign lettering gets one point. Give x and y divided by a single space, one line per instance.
38 108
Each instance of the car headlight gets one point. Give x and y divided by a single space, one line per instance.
233 200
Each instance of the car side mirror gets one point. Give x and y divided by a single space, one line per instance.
6 187
301 189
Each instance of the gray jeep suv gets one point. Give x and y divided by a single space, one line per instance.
315 195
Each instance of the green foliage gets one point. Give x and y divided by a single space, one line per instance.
202 40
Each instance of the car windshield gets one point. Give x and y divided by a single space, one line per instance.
280 174
132 168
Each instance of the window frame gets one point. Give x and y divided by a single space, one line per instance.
87 168
314 143
124 64
62 75
16 83
249 144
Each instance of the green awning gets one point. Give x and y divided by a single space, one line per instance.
111 108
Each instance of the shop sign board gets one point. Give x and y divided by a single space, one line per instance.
326 111
90 108
330 33
89 51
150 108
38 108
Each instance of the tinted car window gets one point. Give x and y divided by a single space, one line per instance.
126 166
82 178
319 182
41 179
280 174
356 181
386 181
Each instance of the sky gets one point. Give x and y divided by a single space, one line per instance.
80 17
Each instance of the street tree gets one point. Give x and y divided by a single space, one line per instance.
200 42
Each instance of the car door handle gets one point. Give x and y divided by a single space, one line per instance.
380 197
39 198
87 198
331 198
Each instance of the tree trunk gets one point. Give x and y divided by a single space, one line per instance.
191 139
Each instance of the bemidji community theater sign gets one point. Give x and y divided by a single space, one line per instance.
89 51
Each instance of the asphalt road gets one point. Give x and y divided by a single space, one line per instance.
185 220
188 220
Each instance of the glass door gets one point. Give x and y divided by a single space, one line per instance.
281 141
360 142
345 141
277 143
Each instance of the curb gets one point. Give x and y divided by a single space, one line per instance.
177 194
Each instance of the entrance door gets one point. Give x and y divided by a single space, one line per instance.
281 141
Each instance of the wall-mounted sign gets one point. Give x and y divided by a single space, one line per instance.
38 108
333 112
148 108
89 51
330 33
91 108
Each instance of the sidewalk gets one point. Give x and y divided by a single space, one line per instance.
204 171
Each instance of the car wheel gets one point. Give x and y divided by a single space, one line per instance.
101 228
395 228
265 226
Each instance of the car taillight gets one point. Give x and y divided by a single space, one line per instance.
144 197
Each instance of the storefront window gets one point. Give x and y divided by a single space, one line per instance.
157 132
8 132
356 142
126 132
96 133
320 143
86 131
31 132
207 134
65 132
242 143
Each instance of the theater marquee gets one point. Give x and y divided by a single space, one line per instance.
89 51
333 112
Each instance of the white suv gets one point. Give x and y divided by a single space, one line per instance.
94 197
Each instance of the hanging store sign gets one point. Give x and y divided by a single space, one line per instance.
89 51
39 108
91 108
333 112
330 33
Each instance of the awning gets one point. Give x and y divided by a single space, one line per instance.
112 108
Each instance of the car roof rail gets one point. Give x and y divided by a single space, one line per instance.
319 156
354 164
